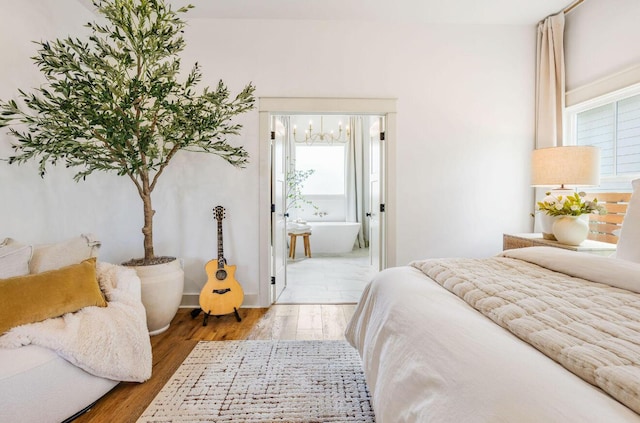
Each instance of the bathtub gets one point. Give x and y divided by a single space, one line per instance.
330 238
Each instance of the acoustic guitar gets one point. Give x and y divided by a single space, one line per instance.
222 294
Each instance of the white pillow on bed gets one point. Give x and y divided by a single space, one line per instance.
629 242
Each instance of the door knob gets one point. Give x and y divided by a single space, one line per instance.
368 214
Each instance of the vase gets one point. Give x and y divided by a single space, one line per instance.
570 230
162 286
546 226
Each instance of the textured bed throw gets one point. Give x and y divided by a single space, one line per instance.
110 342
588 326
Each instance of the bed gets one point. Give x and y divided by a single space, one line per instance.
536 334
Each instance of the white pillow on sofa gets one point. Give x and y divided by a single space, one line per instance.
54 256
14 259
61 254
628 247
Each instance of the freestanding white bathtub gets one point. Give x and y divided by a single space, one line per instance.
330 238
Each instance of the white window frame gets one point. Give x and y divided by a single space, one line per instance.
570 124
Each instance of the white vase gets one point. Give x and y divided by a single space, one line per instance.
162 287
546 226
571 230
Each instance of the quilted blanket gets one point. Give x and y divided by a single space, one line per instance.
588 326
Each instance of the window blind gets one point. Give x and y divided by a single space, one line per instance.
615 129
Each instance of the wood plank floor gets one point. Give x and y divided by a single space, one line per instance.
126 402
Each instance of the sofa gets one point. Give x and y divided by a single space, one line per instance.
54 366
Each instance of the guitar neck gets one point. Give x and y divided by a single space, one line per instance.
220 250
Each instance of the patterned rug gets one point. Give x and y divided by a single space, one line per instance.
265 381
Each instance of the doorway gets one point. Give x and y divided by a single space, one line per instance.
327 173
276 115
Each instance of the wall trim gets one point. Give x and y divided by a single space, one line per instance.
313 105
606 85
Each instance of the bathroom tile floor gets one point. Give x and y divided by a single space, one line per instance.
324 279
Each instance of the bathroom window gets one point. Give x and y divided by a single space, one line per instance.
328 162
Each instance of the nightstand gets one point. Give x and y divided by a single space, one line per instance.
510 241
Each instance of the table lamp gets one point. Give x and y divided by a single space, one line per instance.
568 165
558 167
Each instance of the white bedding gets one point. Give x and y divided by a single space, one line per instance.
429 357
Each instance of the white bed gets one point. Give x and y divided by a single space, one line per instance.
429 356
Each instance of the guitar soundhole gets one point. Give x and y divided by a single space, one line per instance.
221 274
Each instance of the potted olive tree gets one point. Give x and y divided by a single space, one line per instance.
115 102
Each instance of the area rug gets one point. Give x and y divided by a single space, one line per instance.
265 381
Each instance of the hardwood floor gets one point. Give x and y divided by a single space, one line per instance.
126 402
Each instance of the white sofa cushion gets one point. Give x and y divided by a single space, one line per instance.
39 386
14 259
54 256
61 254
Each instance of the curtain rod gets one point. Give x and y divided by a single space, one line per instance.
572 6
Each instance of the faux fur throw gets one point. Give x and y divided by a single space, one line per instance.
111 342
592 329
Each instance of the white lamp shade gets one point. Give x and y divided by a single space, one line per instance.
568 165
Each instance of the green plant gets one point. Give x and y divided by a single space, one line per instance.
571 205
114 103
295 183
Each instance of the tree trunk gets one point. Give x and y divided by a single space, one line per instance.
147 229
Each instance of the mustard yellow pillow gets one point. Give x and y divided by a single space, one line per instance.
33 298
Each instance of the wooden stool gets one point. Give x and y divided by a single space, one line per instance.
292 244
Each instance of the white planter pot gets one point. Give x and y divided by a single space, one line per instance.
162 287
571 230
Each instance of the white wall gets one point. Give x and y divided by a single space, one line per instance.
601 38
465 133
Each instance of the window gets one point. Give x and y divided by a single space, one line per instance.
328 163
611 123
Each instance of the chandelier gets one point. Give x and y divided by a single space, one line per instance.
311 137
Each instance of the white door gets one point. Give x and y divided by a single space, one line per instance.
376 199
278 208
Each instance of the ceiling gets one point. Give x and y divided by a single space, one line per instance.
509 12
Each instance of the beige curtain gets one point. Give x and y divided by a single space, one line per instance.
550 81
